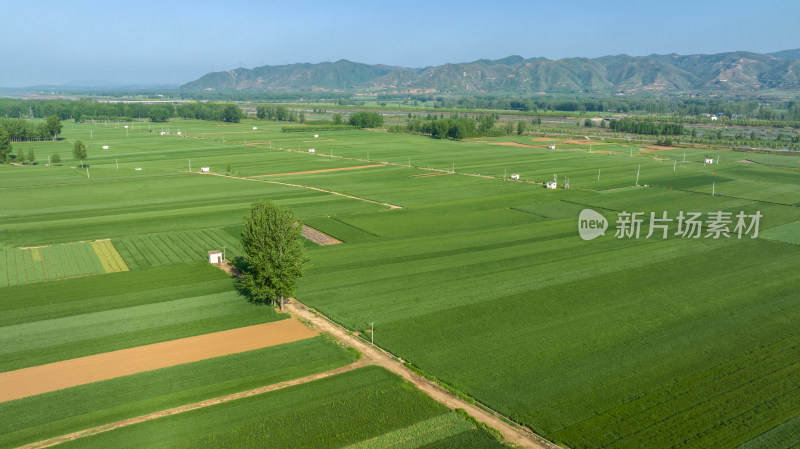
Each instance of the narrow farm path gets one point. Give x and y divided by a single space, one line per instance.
320 171
515 434
69 373
392 206
196 405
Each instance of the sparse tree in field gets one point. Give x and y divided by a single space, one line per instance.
55 158
158 114
588 123
337 119
20 159
53 126
232 114
364 119
261 112
302 116
273 253
5 145
79 151
602 123
31 156
520 128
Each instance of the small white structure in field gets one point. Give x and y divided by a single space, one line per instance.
138 169
179 133
105 147
205 169
126 126
316 135
311 150
514 175
709 160
551 147
255 128
215 256
713 117
163 133
552 184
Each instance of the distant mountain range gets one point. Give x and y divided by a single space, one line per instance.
734 72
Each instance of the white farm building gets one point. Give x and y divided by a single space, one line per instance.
215 256
552 184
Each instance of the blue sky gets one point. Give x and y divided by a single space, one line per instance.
148 42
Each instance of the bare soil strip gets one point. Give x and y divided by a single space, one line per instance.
652 148
196 405
319 171
543 139
69 373
319 237
581 142
515 144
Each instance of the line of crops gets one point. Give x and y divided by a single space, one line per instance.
34 418
153 250
327 413
25 266
433 432
86 316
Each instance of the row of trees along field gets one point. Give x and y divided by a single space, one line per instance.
20 130
461 127
694 106
646 127
83 110
280 113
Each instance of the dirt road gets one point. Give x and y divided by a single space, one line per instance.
520 436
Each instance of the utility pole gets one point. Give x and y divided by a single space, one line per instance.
372 333
637 174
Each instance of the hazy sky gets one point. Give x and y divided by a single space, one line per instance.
148 42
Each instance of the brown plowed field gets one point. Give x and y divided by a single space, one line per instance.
69 373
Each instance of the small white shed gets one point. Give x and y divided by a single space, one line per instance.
163 133
311 150
215 256
205 169
551 147
105 147
552 184
255 128
709 160
514 175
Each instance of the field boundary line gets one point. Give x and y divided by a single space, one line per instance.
391 206
196 405
319 171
